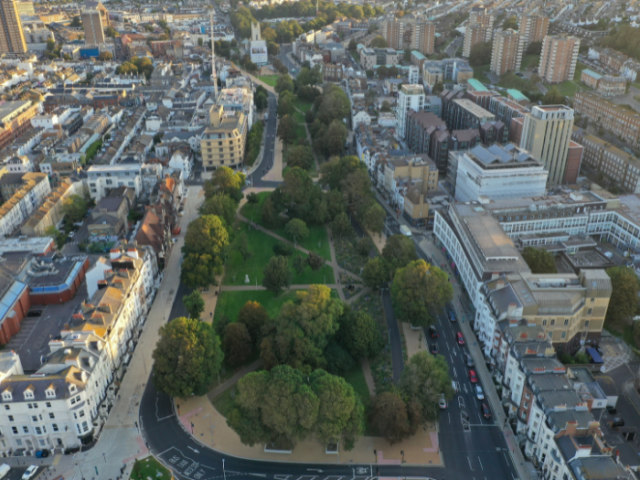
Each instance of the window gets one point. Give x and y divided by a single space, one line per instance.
55 427
566 322
589 311
38 431
29 406
586 324
14 430
563 335
85 427
544 322
81 413
25 429
593 299
7 407
48 404
11 418
34 418
51 415
550 335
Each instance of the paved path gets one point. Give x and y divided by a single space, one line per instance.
247 288
234 379
397 358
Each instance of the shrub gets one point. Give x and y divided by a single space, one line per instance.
283 249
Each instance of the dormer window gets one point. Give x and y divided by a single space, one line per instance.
6 396
50 393
72 388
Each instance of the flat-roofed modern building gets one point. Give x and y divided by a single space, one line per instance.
224 139
465 114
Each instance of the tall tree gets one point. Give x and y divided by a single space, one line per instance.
186 358
392 418
255 317
423 380
276 275
539 260
194 303
284 84
236 344
206 235
302 330
375 274
359 334
417 290
398 251
300 262
225 181
287 130
221 205
378 42
75 207
300 156
373 218
315 261
341 226
623 305
296 229
199 271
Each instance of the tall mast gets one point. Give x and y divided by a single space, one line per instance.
214 78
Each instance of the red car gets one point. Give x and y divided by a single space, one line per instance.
486 413
460 338
473 378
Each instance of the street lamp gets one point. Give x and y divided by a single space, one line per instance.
223 470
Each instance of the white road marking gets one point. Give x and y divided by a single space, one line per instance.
480 462
469 460
449 415
455 374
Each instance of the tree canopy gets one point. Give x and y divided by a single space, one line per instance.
206 235
393 418
194 303
222 206
276 275
199 271
255 317
284 406
226 181
398 251
480 54
539 260
623 305
186 358
418 290
378 42
302 330
75 207
237 344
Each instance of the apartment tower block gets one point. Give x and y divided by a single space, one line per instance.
558 58
11 34
507 52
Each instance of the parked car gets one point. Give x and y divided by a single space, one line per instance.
34 313
452 316
486 411
460 338
71 234
442 402
611 410
31 471
433 333
470 362
456 386
479 393
433 348
473 378
617 422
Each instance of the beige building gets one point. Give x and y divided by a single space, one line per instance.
423 37
25 8
533 28
393 33
368 59
432 75
224 139
604 158
482 16
507 52
546 135
558 58
11 35
93 28
50 212
474 33
615 118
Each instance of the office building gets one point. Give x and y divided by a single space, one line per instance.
546 134
423 37
464 114
11 35
497 173
475 33
93 28
393 32
507 52
558 58
603 158
617 119
25 8
410 97
533 28
224 139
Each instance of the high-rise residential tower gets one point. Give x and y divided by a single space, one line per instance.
93 28
423 37
546 134
11 34
558 58
507 52
410 97
393 33
533 28
475 33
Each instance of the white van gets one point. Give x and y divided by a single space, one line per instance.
404 230
4 470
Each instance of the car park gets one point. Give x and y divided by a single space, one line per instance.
460 338
473 378
486 411
479 393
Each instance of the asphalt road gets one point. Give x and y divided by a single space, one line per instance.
255 179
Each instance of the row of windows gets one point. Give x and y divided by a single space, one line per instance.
38 430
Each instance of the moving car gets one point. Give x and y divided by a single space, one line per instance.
479 393
470 362
486 412
433 348
456 386
442 403
31 471
452 316
71 234
4 470
473 378
617 422
433 333
460 338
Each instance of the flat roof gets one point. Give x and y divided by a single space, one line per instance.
473 108
591 73
517 95
418 55
477 85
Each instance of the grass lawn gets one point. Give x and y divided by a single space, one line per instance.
224 403
356 379
479 73
302 105
301 132
356 56
568 88
230 303
149 468
530 61
579 68
261 245
269 79
317 233
299 117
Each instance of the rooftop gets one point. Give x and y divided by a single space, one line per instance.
477 85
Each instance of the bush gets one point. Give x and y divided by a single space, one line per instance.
283 249
253 198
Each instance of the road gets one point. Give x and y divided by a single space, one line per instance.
285 50
255 179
